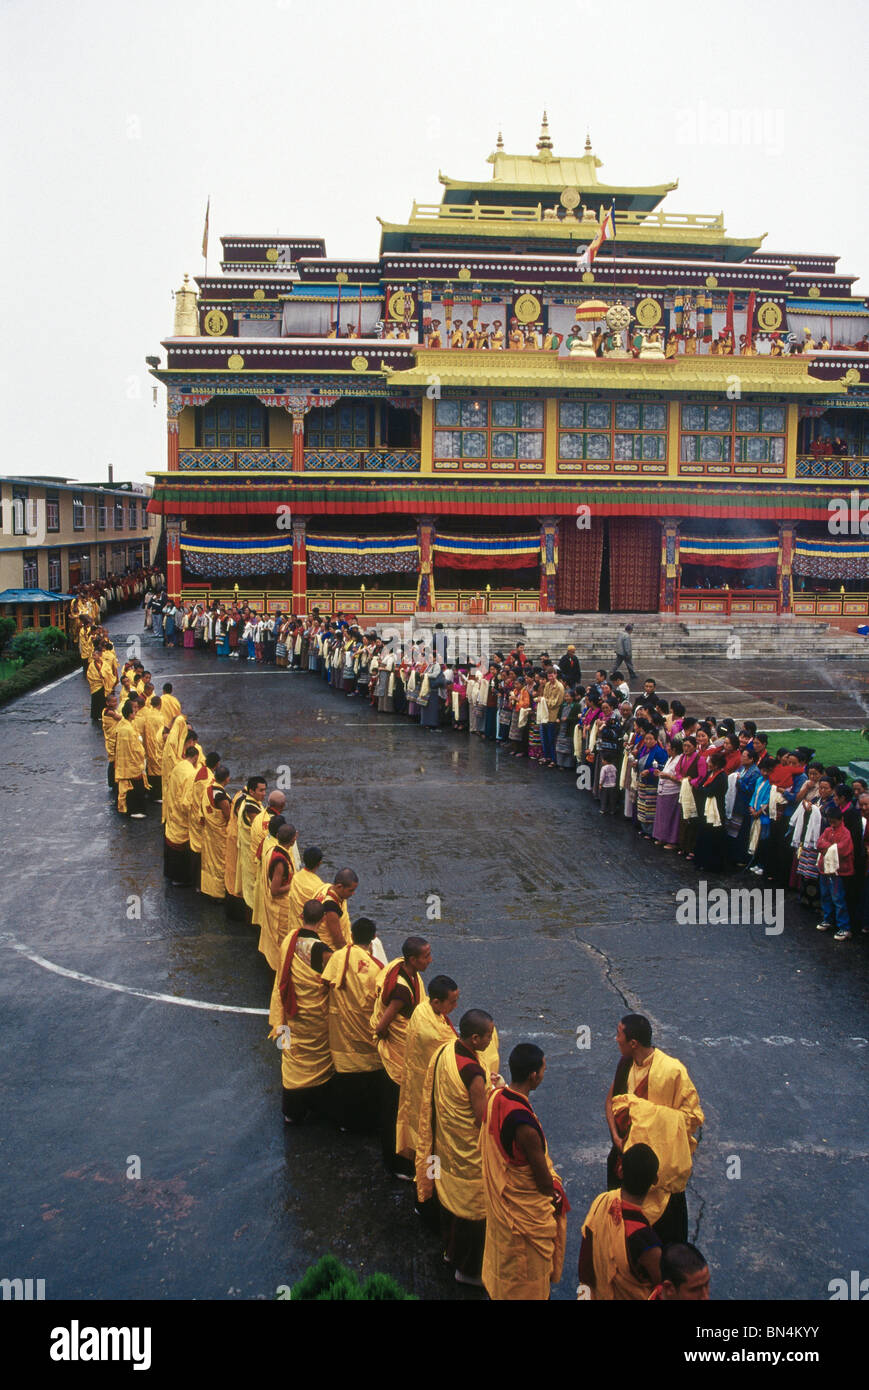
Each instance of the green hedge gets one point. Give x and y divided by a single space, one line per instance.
328 1281
41 671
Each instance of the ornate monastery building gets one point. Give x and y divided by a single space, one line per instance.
546 393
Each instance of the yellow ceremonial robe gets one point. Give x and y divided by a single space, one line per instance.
305 887
613 1276
154 727
245 879
525 1241
448 1131
203 779
176 802
231 861
391 1048
259 834
665 1113
111 723
426 1032
273 912
173 751
327 897
306 1059
94 675
214 837
351 974
170 708
129 761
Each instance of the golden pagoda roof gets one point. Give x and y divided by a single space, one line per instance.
548 170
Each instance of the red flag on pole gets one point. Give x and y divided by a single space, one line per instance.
728 321
749 321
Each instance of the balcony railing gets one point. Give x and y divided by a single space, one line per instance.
725 602
316 460
832 466
496 212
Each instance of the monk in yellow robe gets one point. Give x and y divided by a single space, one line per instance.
276 878
215 824
335 928
351 974
259 833
620 1256
234 904
171 704
245 871
176 805
203 779
448 1158
306 885
96 685
654 1101
299 1018
130 774
85 645
154 739
398 991
111 720
173 749
526 1207
429 1028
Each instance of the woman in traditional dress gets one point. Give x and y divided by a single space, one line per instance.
665 830
692 769
651 759
711 847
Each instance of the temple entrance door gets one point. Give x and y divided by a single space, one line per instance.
634 548
580 556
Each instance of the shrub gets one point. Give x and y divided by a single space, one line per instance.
7 628
328 1281
40 671
37 641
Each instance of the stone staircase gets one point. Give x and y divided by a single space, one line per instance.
655 638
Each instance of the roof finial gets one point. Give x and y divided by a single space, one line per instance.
499 143
587 143
544 143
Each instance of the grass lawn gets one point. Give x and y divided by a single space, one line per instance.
833 746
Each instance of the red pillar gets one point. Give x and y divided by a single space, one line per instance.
173 557
298 441
300 568
548 563
787 536
172 443
425 592
669 566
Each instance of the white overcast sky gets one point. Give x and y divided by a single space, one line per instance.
119 119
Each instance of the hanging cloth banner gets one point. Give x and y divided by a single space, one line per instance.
750 553
221 557
832 559
487 552
355 555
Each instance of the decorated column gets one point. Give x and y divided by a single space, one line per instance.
787 538
173 557
300 567
174 406
425 536
669 565
548 563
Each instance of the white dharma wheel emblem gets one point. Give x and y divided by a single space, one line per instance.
618 317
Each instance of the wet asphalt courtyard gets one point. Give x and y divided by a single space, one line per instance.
549 917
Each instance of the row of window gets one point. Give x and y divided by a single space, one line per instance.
26 514
122 557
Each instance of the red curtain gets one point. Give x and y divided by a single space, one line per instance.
635 564
577 582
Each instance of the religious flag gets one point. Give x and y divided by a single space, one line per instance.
728 320
607 232
205 229
749 320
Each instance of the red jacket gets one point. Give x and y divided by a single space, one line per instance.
841 838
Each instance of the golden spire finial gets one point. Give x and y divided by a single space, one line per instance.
587 143
544 143
499 143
